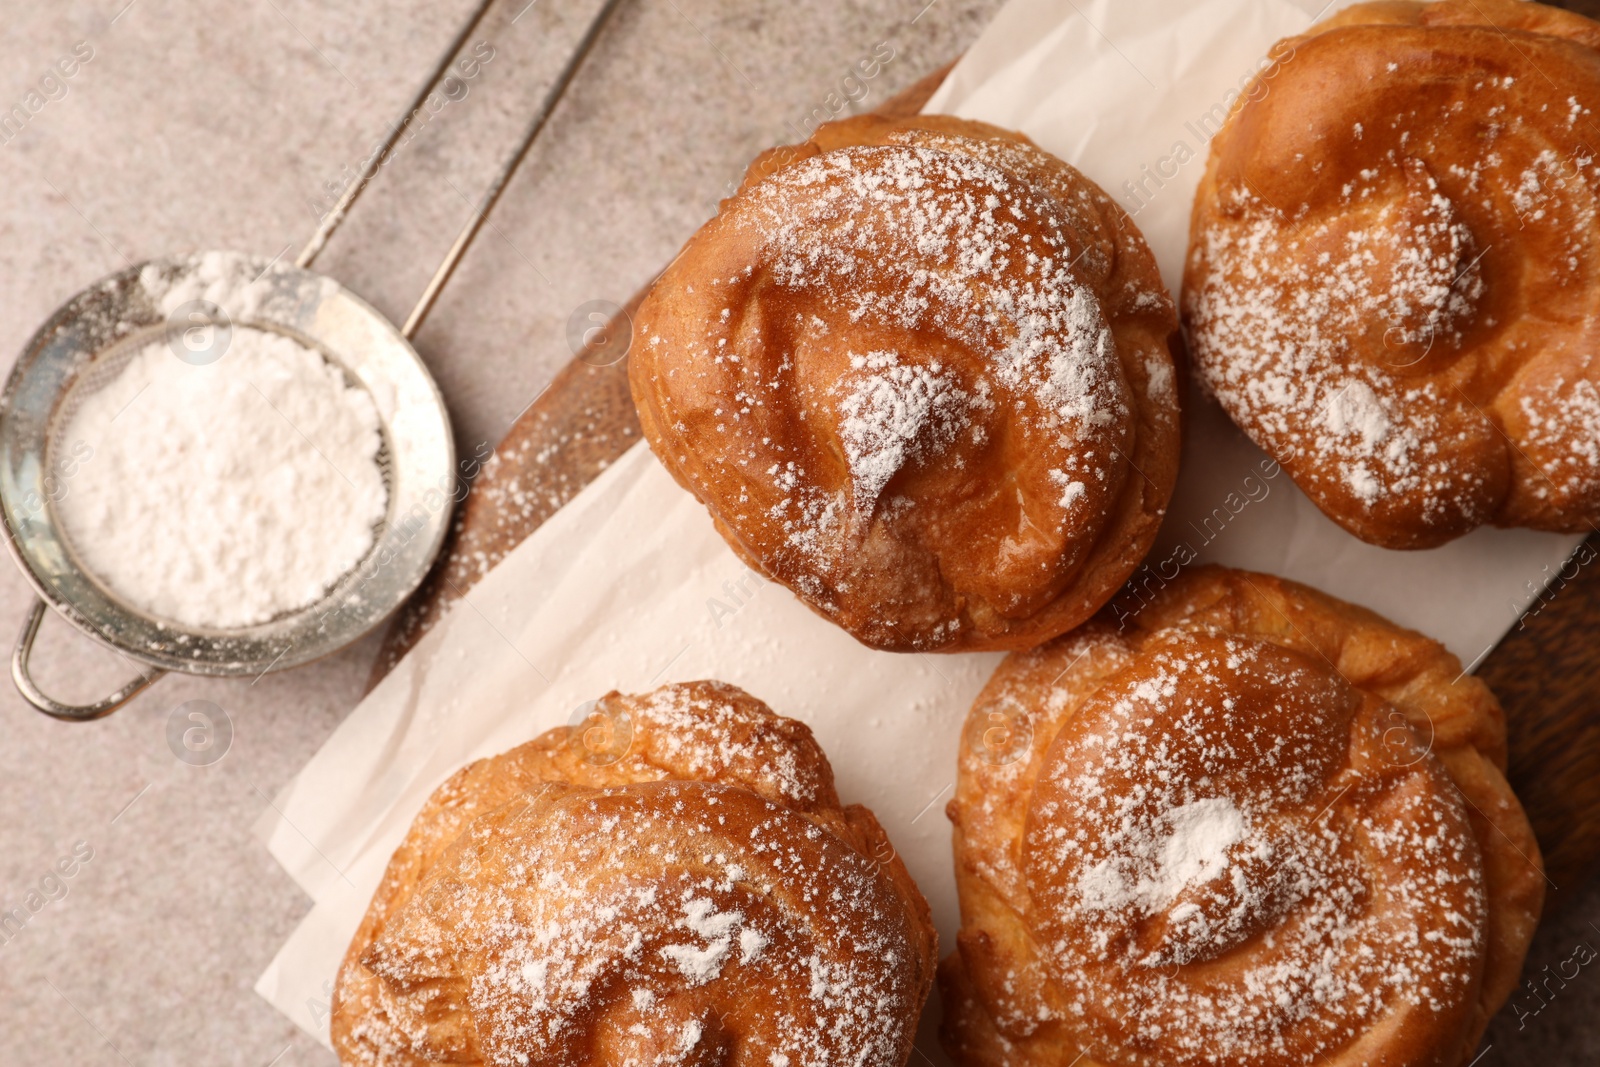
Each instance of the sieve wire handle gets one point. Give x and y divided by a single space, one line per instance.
358 184
332 220
491 196
49 705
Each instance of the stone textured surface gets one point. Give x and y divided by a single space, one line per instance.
219 126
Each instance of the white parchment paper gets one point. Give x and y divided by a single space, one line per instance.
629 586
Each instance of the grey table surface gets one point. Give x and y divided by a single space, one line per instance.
207 125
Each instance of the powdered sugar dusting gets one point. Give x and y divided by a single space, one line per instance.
700 963
1282 308
709 730
1392 337
896 412
1188 848
939 234
1230 859
610 915
1561 426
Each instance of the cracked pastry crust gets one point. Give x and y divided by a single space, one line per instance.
1256 826
922 373
672 883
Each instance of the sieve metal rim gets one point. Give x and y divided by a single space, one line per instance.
346 329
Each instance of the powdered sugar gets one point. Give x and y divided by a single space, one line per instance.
1379 336
1563 427
1191 857
1072 490
752 943
893 413
708 731
1275 323
234 282
225 494
1356 410
1188 848
701 963
614 911
904 240
938 232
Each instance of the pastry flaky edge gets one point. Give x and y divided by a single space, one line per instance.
1141 316
999 966
682 753
1391 273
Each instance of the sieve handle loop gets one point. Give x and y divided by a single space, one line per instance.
54 708
357 185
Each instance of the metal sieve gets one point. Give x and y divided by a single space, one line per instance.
89 340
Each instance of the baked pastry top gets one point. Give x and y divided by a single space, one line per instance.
672 883
1394 270
921 373
1257 827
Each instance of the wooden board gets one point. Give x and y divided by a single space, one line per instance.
1546 671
